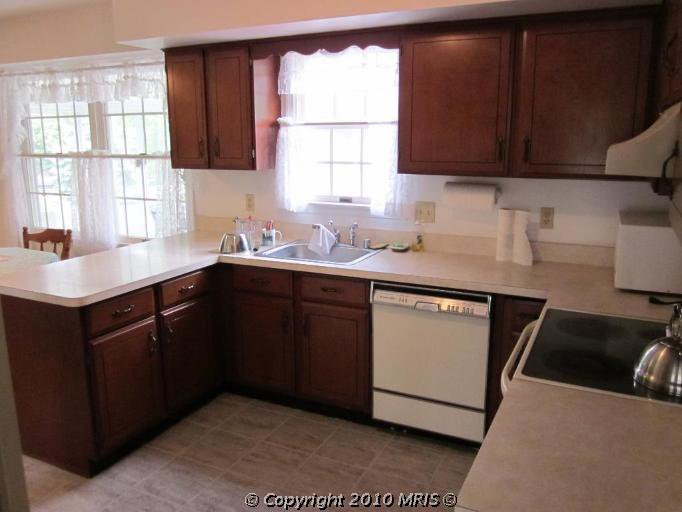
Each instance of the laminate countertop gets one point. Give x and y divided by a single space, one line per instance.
88 279
549 447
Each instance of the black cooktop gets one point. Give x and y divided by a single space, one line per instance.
592 351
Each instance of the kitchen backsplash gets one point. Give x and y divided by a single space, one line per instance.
586 211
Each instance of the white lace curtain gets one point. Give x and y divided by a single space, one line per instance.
370 75
95 216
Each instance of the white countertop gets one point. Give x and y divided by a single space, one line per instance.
85 280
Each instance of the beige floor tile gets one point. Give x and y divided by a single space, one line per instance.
180 481
322 476
354 448
137 466
255 422
228 492
139 501
409 462
44 481
302 434
274 407
210 461
270 464
217 411
87 496
220 449
376 481
180 436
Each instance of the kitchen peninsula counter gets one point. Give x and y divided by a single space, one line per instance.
88 279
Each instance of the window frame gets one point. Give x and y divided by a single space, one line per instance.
99 141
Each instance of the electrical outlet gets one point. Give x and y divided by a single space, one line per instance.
546 218
251 203
425 212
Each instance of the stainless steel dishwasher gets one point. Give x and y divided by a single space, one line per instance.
430 358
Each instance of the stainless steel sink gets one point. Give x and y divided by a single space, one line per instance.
340 254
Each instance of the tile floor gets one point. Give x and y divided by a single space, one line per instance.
235 445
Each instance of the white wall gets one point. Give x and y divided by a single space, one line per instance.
71 32
586 211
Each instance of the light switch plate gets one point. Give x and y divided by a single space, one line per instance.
425 212
546 218
251 203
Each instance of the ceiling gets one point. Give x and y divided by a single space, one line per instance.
10 8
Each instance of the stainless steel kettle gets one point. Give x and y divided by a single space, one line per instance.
660 365
231 243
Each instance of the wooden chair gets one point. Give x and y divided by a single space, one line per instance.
51 236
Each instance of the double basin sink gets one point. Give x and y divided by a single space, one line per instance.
341 254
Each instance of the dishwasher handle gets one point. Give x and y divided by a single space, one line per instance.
523 339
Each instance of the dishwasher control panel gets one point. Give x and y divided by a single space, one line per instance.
440 301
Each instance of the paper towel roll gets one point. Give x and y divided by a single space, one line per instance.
505 234
470 196
522 252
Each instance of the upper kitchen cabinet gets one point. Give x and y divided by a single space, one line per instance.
581 87
230 118
223 108
187 108
670 60
454 102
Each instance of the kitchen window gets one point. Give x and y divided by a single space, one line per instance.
338 130
133 134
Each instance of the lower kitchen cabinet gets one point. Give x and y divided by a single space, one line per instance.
333 355
127 383
189 354
263 342
511 315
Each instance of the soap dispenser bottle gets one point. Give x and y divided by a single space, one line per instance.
418 243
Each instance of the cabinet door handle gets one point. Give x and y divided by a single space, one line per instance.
170 332
285 322
500 149
118 313
153 343
216 147
188 288
526 149
201 147
329 289
306 326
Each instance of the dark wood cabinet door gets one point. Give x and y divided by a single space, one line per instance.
187 108
128 383
582 87
333 359
189 352
511 315
230 106
264 341
454 102
669 77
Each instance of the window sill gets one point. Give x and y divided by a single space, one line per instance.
325 204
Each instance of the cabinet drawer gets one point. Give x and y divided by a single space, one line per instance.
119 311
263 280
185 288
338 291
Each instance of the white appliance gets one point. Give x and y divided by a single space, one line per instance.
644 154
648 254
430 358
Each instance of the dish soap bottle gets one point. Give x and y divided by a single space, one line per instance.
418 244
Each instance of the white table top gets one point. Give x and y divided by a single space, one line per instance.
13 259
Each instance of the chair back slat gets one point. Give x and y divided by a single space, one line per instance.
53 236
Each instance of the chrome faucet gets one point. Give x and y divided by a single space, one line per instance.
334 230
352 233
